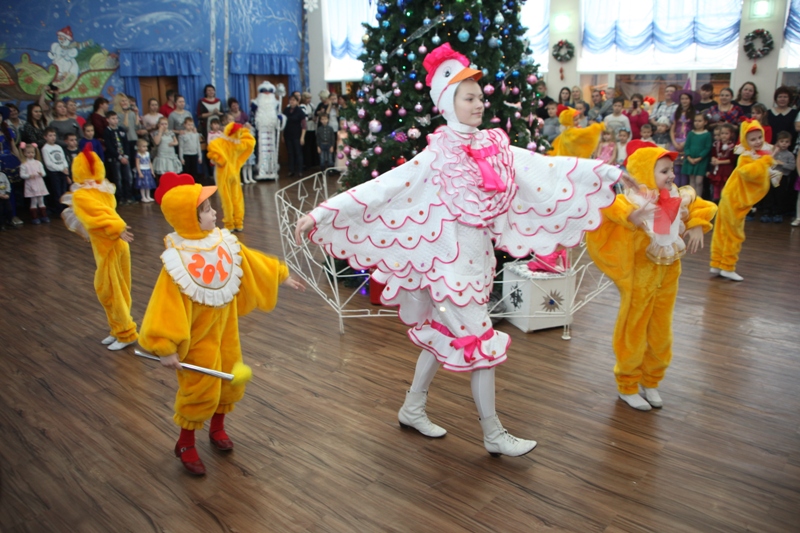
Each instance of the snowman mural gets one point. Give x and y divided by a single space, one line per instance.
63 54
265 113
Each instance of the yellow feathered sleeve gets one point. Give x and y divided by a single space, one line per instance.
166 327
578 142
262 276
97 212
612 245
700 212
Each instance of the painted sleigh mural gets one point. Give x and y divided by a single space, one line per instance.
79 69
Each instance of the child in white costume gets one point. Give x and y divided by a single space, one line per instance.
427 228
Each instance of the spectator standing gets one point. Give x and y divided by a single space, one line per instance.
310 156
235 110
666 107
169 106
541 90
178 117
706 98
637 115
747 97
294 136
600 108
208 107
62 124
99 120
726 111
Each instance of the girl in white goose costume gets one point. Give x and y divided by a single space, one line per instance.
429 229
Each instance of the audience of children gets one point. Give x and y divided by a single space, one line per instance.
697 153
607 149
145 181
616 120
55 166
166 160
722 159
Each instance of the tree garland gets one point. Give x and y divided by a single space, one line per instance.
767 44
563 51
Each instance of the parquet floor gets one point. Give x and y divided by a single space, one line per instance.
86 435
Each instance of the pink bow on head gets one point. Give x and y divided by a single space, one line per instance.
23 145
491 179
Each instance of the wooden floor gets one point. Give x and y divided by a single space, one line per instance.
86 435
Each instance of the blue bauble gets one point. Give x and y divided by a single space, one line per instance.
479 38
400 3
515 73
463 36
412 75
385 24
384 56
378 16
412 56
449 17
494 42
382 9
524 61
500 75
498 19
437 6
426 21
367 78
506 32
360 93
474 53
467 16
436 40
402 30
382 40
485 71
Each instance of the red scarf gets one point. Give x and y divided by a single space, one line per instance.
668 208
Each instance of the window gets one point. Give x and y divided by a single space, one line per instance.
657 35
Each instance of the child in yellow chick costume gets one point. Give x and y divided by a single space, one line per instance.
639 245
747 185
230 152
93 214
209 279
576 141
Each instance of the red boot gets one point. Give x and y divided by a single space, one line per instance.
217 435
35 216
43 214
187 453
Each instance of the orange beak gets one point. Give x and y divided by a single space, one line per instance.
466 73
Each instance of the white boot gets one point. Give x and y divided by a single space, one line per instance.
635 401
731 275
412 415
653 397
714 271
117 345
499 442
108 340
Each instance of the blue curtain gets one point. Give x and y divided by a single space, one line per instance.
535 15
633 26
243 65
133 90
792 32
186 66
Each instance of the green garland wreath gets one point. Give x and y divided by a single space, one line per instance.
563 51
767 44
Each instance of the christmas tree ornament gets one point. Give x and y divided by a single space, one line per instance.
494 42
463 36
397 92
371 100
340 156
378 150
401 160
515 91
434 110
354 153
498 19
400 51
412 56
382 9
385 24
384 56
508 125
487 104
402 111
437 6
467 16
388 113
365 162
515 73
365 38
400 136
412 75
347 150
499 75
485 71
422 49
418 86
503 87
379 68
426 22
449 17
436 40
517 114
403 29
414 133
532 146
375 126
495 120
479 38
382 40
375 174
418 108
361 112
394 84
367 78
488 90
354 129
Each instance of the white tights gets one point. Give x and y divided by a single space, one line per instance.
482 383
37 201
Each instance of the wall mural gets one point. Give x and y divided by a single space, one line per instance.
75 44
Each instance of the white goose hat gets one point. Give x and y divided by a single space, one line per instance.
446 69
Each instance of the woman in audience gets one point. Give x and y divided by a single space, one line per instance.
208 107
239 116
150 119
99 120
747 97
63 124
33 130
72 112
726 110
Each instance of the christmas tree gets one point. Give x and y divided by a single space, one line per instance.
392 114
